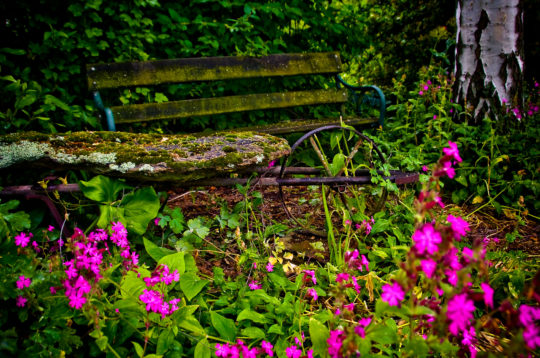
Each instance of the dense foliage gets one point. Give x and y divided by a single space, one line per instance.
120 276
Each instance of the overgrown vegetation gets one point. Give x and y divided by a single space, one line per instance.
123 275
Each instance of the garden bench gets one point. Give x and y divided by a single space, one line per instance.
212 69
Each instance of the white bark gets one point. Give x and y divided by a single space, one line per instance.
489 63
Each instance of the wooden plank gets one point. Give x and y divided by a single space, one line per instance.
148 73
305 125
220 105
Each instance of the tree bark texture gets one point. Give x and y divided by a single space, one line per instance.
489 57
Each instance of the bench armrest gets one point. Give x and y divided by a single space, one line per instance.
372 96
108 113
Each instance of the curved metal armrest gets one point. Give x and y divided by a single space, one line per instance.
108 113
372 95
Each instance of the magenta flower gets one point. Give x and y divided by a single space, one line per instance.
426 239
420 93
392 294
363 262
528 315
446 170
20 301
53 290
269 267
222 350
267 348
451 277
76 301
459 313
156 221
342 276
349 307
254 285
452 151
23 282
22 240
425 168
458 225
488 294
293 352
50 228
271 163
311 274
362 324
356 285
313 294
335 341
428 266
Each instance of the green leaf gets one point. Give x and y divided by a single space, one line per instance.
202 349
174 262
102 189
417 347
191 285
319 334
138 349
156 252
337 163
383 334
140 207
166 338
224 326
102 343
253 333
132 286
248 314
275 329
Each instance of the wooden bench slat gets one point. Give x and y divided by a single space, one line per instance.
125 74
229 104
305 125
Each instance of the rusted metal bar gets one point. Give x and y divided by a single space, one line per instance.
29 189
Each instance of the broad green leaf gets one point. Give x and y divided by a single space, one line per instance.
253 333
174 262
101 342
102 189
383 334
108 214
318 333
202 349
191 284
140 207
138 349
165 340
156 252
248 314
276 329
417 347
132 286
224 326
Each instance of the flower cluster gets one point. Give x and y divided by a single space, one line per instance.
154 299
529 317
83 271
295 351
21 284
229 350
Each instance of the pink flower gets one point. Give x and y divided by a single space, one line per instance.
349 307
311 274
459 313
488 294
362 324
50 228
76 301
310 353
222 350
347 222
255 265
293 352
426 239
254 285
452 277
22 240
313 294
335 341
271 163
446 170
458 225
156 221
425 168
20 301
428 266
426 87
420 93
53 290
528 315
267 348
438 200
434 116
342 276
269 267
356 285
363 262
23 282
393 294
452 151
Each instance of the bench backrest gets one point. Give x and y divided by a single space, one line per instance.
186 70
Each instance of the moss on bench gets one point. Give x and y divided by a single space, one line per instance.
147 157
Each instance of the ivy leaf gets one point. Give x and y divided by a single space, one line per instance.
102 189
140 207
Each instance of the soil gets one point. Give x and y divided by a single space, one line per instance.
207 202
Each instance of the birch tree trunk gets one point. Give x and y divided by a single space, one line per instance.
489 57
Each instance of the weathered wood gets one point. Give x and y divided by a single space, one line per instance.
125 74
305 125
147 157
220 105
